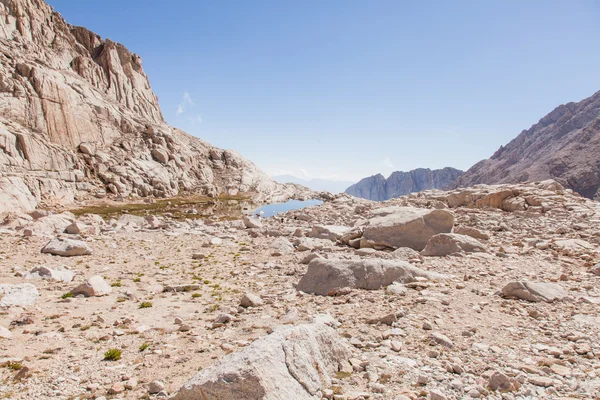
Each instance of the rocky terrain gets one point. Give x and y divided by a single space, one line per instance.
78 119
400 183
564 145
487 292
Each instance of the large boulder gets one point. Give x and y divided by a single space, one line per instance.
394 227
23 295
444 244
95 286
67 247
15 196
323 276
534 291
291 363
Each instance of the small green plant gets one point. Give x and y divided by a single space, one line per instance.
144 346
146 304
137 280
15 366
67 295
112 355
196 295
116 283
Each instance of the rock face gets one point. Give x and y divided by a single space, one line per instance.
78 118
400 183
323 276
395 227
291 363
564 145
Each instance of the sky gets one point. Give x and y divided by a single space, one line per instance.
344 89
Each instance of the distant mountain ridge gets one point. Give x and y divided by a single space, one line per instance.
318 185
564 145
401 183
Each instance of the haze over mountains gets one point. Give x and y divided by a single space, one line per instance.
399 183
318 185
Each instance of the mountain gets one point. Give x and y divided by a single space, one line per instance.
400 183
79 119
318 185
564 145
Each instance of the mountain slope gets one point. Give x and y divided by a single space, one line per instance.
564 145
400 183
78 118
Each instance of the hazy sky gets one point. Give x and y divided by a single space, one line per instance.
345 89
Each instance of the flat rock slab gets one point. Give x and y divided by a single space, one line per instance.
23 295
67 248
395 227
294 362
444 244
323 276
534 291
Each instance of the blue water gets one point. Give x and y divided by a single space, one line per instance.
271 210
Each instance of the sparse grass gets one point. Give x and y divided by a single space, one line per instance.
196 295
112 355
67 295
15 366
116 283
146 304
137 280
343 375
144 346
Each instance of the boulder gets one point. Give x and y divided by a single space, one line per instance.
323 276
22 295
294 362
95 286
534 291
251 300
67 247
15 195
59 274
331 232
394 227
251 222
444 244
281 246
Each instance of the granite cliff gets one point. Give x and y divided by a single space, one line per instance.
78 119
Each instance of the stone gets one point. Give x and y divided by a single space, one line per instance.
281 246
59 274
252 223
396 289
405 254
444 244
595 269
94 286
251 300
293 362
5 333
437 395
67 247
441 339
534 291
15 195
500 382
156 387
331 232
470 231
116 388
73 229
394 227
323 276
21 295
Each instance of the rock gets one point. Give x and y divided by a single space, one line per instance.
156 387
396 289
444 244
73 229
323 276
281 246
534 291
441 339
291 363
250 222
15 195
22 295
595 269
251 300
309 258
59 274
116 388
500 382
331 232
67 247
5 333
470 231
394 227
95 286
160 155
437 395
405 254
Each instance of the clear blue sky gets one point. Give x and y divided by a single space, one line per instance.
345 88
